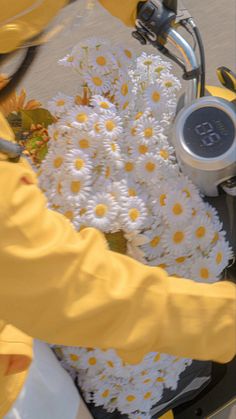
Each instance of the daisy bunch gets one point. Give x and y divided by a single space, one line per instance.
110 166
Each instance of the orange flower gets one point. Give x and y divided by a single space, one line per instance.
15 102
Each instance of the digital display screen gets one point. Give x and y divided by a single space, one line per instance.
209 132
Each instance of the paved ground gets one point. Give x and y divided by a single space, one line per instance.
215 18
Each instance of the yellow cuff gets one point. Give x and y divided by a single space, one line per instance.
125 10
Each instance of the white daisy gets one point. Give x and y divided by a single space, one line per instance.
124 56
133 214
129 400
220 255
147 62
102 104
102 211
177 210
81 140
161 68
97 83
148 130
60 104
170 82
74 189
110 125
91 362
201 230
73 356
154 247
123 88
138 150
177 240
79 164
149 168
102 61
103 395
204 270
113 151
156 97
79 116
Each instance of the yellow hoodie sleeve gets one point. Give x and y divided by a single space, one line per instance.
125 10
68 288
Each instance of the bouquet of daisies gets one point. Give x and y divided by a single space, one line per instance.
110 166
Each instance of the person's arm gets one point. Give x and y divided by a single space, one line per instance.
67 288
125 10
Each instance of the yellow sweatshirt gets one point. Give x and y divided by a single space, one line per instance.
68 288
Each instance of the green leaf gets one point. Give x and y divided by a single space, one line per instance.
36 116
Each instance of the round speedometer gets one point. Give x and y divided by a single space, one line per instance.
205 142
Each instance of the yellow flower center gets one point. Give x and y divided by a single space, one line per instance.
147 62
132 192
61 102
108 172
55 135
177 209
104 105
187 193
92 361
69 215
128 53
82 211
138 115
143 149
162 266
147 395
58 162
124 89
133 131
200 232
113 147
156 96
74 357
168 84
162 199
110 125
150 166
101 60
105 393
79 164
155 241
147 381
126 104
81 118
204 272
70 59
194 212
97 127
219 258
157 358
84 143
134 214
130 398
110 364
215 238
97 81
101 210
160 380
59 187
181 259
178 237
164 154
148 132
75 186
159 69
129 166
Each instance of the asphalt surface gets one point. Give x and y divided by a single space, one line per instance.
215 18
